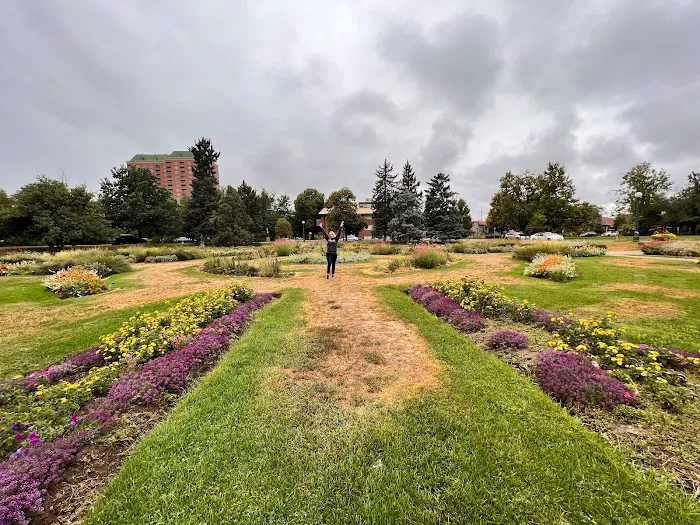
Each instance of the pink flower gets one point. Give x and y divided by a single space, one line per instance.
33 439
73 421
19 437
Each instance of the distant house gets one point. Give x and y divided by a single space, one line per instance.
364 208
607 223
478 229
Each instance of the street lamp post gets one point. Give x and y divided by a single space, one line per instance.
303 231
637 196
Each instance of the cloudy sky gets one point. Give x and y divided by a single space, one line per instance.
317 93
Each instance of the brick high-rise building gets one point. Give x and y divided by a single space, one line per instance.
173 171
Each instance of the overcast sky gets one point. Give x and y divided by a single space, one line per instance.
317 93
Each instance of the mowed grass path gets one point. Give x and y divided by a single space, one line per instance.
250 445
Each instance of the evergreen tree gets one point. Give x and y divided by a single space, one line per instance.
252 204
406 226
205 191
283 207
440 216
134 202
230 220
409 181
384 190
464 214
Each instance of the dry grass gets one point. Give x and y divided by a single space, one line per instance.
674 293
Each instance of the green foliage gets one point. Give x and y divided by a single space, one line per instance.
440 216
343 207
270 268
464 214
382 248
406 225
134 202
50 212
684 207
231 223
202 204
673 248
283 229
383 194
283 209
527 252
654 185
306 207
409 181
284 248
74 282
663 237
229 266
425 258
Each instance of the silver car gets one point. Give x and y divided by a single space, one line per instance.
546 236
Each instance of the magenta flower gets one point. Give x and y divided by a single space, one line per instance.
73 421
33 439
19 437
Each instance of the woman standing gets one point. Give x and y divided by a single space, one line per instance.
332 249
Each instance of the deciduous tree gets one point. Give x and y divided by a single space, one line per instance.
306 207
343 207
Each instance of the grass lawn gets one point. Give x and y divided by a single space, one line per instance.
659 304
252 445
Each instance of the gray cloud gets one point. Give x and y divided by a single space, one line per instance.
317 95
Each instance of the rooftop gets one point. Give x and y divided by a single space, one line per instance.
158 157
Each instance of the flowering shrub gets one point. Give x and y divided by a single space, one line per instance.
382 248
31 469
100 268
503 339
442 306
666 236
16 268
673 248
466 320
161 258
574 380
473 293
551 266
587 250
320 258
550 321
426 257
75 282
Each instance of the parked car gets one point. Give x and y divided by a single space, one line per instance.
589 234
127 238
516 235
183 240
611 233
352 238
546 236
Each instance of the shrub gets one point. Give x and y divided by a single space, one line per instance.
284 248
587 250
382 248
673 248
427 257
664 236
75 282
574 380
466 320
527 252
270 268
550 321
551 266
503 339
442 306
161 258
466 247
99 268
51 263
20 256
16 268
501 248
320 258
229 266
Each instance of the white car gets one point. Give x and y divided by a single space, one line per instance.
611 233
353 238
516 235
546 236
182 240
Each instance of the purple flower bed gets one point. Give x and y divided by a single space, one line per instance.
417 292
30 470
443 306
503 339
544 318
575 381
467 320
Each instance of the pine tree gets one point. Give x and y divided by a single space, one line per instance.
407 223
384 190
205 191
230 221
440 216
409 181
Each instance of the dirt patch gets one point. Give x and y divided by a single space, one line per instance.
631 309
674 293
639 262
364 352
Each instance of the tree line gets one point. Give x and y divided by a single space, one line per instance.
547 201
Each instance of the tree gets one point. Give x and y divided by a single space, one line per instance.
440 216
205 191
268 215
283 229
583 217
409 181
283 207
382 197
553 197
684 207
343 207
406 226
230 220
49 211
654 185
510 205
134 202
6 212
306 207
464 214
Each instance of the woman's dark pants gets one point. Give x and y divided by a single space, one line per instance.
331 258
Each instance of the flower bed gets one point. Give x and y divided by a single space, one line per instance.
42 460
447 309
673 248
320 258
505 339
75 282
161 258
527 252
551 266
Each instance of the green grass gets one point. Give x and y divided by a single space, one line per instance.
464 263
681 330
249 446
50 344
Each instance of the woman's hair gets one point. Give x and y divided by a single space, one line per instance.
331 234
